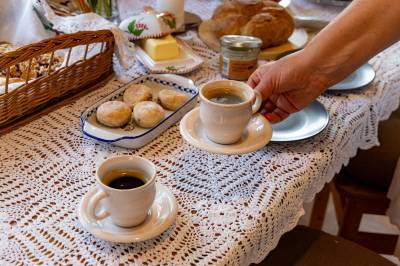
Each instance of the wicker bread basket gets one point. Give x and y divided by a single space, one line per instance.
55 84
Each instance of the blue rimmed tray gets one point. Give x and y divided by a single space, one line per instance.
138 136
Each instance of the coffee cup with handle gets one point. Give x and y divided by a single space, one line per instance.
128 206
226 108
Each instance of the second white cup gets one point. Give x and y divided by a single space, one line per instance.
126 206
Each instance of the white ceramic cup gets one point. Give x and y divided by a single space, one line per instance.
127 207
176 7
225 123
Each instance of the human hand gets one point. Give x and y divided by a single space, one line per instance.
287 86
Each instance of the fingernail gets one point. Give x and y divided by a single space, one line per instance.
271 118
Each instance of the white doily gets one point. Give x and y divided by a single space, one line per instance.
232 209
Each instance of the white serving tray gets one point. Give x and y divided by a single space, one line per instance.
185 63
139 137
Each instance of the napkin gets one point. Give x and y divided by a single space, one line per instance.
19 23
124 49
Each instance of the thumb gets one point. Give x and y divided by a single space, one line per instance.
254 79
265 87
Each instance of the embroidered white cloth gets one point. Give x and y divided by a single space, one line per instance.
124 49
15 16
232 209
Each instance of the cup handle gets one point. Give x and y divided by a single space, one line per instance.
257 103
93 202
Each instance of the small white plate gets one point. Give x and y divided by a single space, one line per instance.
359 79
257 135
161 215
301 125
185 63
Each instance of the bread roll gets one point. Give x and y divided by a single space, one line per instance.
6 47
171 100
273 26
266 20
228 19
114 113
148 114
137 93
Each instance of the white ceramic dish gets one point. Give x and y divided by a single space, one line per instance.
161 215
185 63
301 125
359 79
257 135
139 137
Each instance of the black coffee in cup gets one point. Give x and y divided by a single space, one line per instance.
225 96
125 179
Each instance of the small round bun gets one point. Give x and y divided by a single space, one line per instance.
137 93
171 100
148 114
114 114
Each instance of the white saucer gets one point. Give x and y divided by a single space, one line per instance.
161 215
257 135
359 79
301 125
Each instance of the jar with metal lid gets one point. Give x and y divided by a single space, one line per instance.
238 58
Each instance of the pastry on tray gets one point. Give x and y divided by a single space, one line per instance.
172 100
114 113
140 106
137 93
147 114
266 20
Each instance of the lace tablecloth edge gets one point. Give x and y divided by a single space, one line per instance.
363 144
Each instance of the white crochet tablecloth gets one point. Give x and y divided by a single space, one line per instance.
232 209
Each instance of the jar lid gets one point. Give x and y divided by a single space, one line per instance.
240 41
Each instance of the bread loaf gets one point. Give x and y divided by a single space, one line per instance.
266 20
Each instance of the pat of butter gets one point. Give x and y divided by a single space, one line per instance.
161 48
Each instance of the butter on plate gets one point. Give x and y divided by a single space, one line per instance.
161 48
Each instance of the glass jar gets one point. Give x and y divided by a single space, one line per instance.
105 8
238 56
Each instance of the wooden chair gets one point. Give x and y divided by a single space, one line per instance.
305 246
361 188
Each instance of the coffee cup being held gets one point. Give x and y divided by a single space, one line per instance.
226 107
127 183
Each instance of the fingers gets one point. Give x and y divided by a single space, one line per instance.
273 113
254 79
264 87
284 103
269 107
276 115
261 80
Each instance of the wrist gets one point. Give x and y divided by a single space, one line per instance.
310 69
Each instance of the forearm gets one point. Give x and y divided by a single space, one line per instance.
364 29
